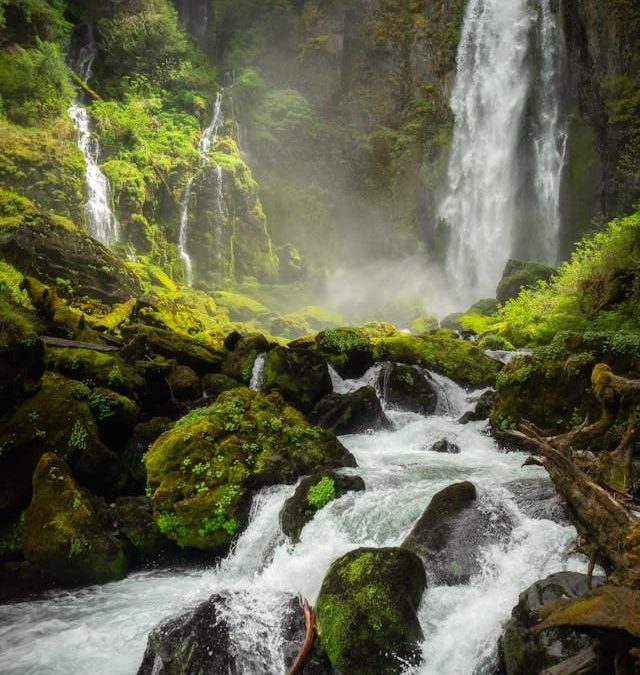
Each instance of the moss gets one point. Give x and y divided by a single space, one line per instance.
348 350
458 359
520 274
424 324
494 342
62 532
321 493
201 473
240 307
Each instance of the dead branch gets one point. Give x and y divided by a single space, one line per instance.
308 640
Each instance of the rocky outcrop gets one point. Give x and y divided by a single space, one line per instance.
405 388
352 413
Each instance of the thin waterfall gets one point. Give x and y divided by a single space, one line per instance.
206 143
101 221
484 205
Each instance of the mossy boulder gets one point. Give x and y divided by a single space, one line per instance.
136 524
348 350
242 354
366 611
133 471
63 535
424 324
300 375
494 342
458 359
448 536
312 494
115 415
352 413
201 474
405 388
184 383
452 322
213 384
57 418
519 274
241 307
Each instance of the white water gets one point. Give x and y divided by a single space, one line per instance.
100 220
205 145
486 197
257 373
103 630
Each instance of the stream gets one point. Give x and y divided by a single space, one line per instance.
103 629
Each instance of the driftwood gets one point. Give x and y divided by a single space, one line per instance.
75 344
310 622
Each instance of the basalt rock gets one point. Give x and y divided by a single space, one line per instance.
405 388
352 413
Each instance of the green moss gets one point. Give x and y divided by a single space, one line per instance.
321 493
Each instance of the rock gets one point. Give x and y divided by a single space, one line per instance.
425 324
404 388
142 438
214 384
62 533
495 343
483 408
135 521
528 653
348 350
458 359
450 533
484 307
238 363
519 274
366 611
184 383
49 251
202 473
115 416
352 413
446 446
312 494
538 499
300 375
452 322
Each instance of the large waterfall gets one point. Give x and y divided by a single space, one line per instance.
509 143
100 220
205 145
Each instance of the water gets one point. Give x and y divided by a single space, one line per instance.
104 629
206 143
257 373
99 216
487 194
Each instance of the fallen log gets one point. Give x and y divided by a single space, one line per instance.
75 344
303 655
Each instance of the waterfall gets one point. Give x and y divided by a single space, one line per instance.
206 143
100 220
488 193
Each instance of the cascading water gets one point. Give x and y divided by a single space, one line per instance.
100 220
103 629
205 145
486 201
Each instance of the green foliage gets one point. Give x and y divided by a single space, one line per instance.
35 84
78 437
322 493
33 19
342 340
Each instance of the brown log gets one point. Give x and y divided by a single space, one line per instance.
303 655
94 346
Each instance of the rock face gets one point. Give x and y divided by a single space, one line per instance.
313 494
404 388
366 611
352 413
449 534
527 653
202 473
519 274
63 535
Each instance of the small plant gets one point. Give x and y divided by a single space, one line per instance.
78 437
76 546
114 378
322 493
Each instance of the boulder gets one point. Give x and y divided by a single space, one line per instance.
202 473
527 653
238 363
425 324
483 408
63 535
312 494
348 350
141 439
300 375
404 388
352 413
445 446
366 611
115 415
134 517
519 274
450 533
538 499
213 384
184 383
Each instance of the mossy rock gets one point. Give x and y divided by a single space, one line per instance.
519 274
240 307
57 418
405 388
366 611
301 376
484 307
115 415
184 383
424 324
213 384
348 350
452 322
353 413
312 494
11 536
62 533
201 474
495 343
238 364
458 359
134 516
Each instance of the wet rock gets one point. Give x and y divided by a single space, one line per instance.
313 493
537 499
452 530
238 363
352 413
135 521
482 410
214 384
444 445
115 415
405 388
527 653
366 611
300 375
519 274
348 350
142 437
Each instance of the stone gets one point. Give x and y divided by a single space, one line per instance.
519 274
352 413
405 388
482 410
445 446
348 350
184 383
